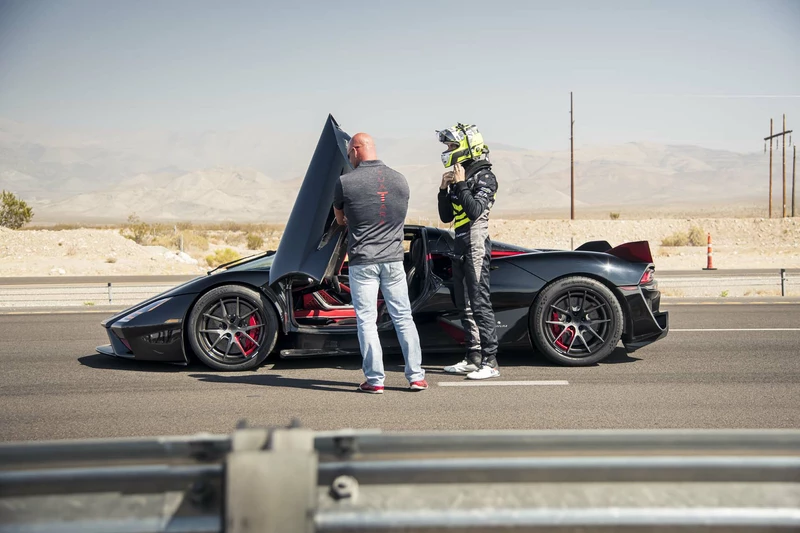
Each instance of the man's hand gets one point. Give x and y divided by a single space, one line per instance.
458 173
340 218
447 177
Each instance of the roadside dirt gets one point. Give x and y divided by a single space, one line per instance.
737 243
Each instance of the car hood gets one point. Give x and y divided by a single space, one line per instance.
313 243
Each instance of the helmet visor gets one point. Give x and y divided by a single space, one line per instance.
446 136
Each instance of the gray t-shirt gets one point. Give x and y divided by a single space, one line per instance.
375 201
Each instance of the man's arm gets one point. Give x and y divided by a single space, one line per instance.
338 203
475 202
445 207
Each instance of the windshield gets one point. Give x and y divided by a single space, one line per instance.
260 263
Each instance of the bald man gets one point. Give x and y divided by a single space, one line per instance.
372 201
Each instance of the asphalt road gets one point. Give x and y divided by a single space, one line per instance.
54 386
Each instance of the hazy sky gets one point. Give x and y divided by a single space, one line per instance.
700 72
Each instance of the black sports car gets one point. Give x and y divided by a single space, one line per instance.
574 306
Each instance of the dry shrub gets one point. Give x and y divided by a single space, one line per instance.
695 237
194 241
136 230
165 241
235 226
254 241
220 256
243 227
161 230
111 259
613 216
679 238
232 238
58 227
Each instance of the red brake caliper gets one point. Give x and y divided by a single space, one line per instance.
247 345
566 338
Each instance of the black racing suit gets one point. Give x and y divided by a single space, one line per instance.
468 204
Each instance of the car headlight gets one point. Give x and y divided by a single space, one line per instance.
145 309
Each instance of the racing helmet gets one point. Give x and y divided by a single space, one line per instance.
463 142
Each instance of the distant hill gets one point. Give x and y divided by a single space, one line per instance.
255 175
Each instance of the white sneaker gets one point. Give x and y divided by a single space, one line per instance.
464 367
484 372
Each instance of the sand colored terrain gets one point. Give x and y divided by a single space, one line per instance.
737 243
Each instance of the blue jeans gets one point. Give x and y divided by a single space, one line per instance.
391 279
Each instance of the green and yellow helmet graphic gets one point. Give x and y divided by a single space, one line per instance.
463 142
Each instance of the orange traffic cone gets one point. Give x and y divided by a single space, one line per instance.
710 263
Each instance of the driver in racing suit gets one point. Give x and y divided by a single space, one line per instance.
466 195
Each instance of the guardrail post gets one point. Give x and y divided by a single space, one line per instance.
271 481
783 282
109 292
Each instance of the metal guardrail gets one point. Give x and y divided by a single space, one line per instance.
298 480
79 295
124 294
705 285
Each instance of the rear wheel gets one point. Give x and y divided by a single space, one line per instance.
232 328
576 321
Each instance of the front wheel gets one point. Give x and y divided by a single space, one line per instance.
576 321
232 328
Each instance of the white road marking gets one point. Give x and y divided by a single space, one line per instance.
666 303
500 383
735 329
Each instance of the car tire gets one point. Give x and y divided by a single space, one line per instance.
232 328
579 334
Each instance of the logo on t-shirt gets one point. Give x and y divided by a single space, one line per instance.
382 192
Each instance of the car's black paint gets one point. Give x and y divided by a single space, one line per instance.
156 335
551 265
308 252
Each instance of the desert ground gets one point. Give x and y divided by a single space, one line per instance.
67 250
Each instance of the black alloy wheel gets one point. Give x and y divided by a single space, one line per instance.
576 321
232 328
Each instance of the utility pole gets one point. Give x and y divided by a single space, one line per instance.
794 168
783 150
571 162
770 168
772 136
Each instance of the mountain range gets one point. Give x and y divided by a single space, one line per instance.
254 175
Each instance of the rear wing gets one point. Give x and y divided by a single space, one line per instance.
634 252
